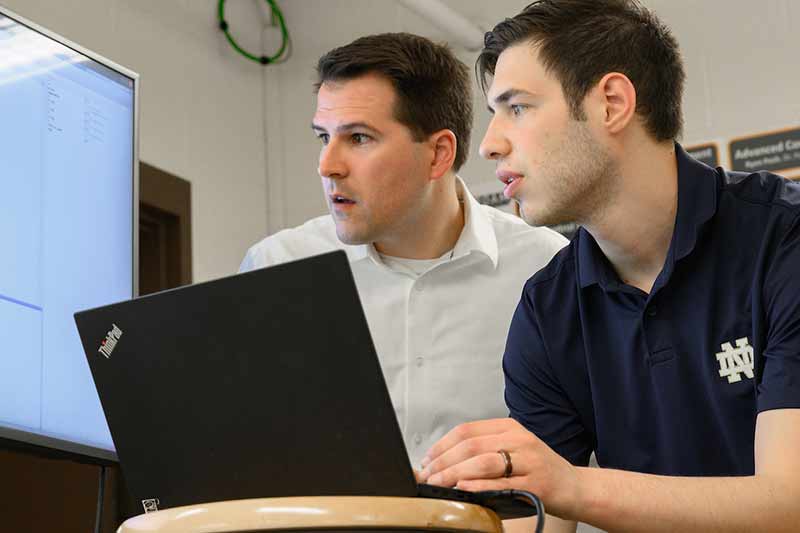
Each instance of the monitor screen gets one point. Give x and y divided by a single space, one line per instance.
68 183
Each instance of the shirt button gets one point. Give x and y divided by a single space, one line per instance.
419 286
417 439
420 361
652 311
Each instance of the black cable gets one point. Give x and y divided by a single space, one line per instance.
101 491
283 52
502 502
536 502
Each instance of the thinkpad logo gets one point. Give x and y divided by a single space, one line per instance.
110 342
733 362
151 505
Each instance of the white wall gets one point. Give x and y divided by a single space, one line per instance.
741 61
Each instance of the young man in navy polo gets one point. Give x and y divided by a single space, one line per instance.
666 336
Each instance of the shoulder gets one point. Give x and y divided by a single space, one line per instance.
758 207
315 236
761 187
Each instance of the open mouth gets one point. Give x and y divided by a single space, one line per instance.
508 177
511 181
338 199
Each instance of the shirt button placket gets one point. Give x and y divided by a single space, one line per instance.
417 334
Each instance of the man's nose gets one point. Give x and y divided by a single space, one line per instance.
331 162
494 144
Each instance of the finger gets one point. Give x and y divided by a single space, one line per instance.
478 485
483 466
466 431
463 451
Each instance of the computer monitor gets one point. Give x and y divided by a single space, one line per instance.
68 230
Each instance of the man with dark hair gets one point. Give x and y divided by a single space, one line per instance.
438 274
666 337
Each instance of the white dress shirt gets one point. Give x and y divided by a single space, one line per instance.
439 335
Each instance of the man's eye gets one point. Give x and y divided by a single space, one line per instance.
359 138
323 137
517 109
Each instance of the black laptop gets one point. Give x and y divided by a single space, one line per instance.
263 384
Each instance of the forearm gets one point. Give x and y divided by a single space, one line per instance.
620 501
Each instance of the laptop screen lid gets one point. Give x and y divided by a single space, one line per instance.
262 384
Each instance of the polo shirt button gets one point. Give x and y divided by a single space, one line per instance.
419 285
417 439
652 311
420 361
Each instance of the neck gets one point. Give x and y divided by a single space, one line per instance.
634 229
435 228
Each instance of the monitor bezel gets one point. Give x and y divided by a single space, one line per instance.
35 443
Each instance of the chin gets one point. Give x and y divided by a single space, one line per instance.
533 215
348 236
541 218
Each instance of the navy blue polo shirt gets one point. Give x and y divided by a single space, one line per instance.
671 382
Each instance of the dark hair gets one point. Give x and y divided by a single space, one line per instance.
580 41
432 86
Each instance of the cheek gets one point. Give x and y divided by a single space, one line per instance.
395 169
390 180
401 189
533 146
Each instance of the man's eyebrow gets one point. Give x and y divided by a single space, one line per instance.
343 128
507 95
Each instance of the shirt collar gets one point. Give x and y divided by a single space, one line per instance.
697 203
477 236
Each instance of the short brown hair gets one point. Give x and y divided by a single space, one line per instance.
580 41
432 86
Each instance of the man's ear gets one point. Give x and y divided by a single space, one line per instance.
617 96
444 144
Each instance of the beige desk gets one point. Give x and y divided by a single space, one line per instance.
319 513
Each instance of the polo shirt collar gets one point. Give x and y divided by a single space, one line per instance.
697 203
593 267
477 236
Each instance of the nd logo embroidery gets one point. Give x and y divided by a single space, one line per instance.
733 362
